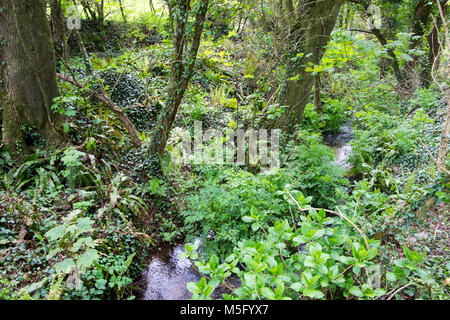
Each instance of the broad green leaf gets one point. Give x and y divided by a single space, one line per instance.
88 258
65 266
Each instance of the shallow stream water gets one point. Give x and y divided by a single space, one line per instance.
340 142
167 275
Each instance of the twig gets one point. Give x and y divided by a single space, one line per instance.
398 290
356 227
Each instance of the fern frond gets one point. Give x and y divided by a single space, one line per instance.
56 288
127 264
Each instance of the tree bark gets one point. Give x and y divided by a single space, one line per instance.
122 11
182 68
58 29
309 37
443 146
317 90
29 74
434 49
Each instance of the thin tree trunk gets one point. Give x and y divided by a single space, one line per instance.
182 69
434 49
122 11
443 146
82 47
84 53
152 7
90 14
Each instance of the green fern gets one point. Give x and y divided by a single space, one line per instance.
56 288
127 264
24 295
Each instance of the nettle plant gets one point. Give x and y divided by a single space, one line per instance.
321 257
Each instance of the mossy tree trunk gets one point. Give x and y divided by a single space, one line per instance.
314 22
29 73
184 56
59 29
443 146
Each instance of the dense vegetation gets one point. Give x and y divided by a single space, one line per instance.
92 119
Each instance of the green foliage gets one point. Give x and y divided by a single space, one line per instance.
224 200
381 137
334 114
77 222
312 170
320 257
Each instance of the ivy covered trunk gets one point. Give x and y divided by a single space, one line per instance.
28 73
185 49
314 22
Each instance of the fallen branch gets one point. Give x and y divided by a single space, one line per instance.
398 290
112 106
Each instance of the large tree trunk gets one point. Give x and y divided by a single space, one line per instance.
29 75
308 39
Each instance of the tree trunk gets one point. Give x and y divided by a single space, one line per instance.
29 74
434 49
59 29
88 11
446 129
122 11
317 98
152 7
101 11
182 68
309 37
420 21
443 145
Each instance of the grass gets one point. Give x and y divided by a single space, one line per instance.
142 5
135 9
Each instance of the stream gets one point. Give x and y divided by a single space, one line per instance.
167 275
340 142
